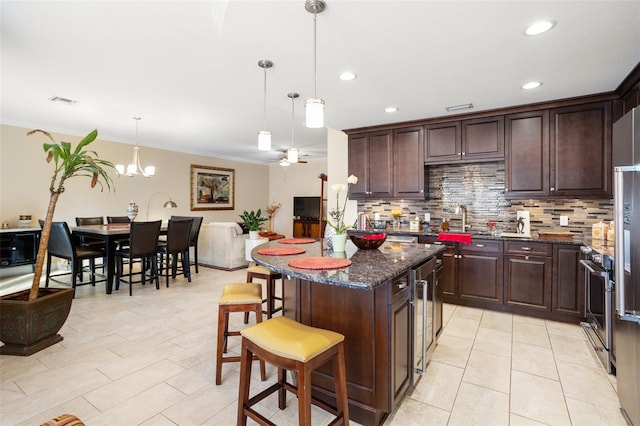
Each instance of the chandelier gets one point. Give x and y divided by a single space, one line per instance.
134 168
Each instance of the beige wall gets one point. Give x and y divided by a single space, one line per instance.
25 175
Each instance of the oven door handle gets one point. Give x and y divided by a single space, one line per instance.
594 269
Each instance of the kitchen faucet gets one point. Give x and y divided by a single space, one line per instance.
463 209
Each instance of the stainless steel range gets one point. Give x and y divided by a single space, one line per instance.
598 262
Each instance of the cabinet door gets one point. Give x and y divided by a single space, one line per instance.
483 139
450 274
359 165
298 229
568 283
443 143
480 276
528 282
581 151
380 164
314 230
401 343
408 146
527 154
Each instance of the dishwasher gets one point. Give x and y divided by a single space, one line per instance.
423 292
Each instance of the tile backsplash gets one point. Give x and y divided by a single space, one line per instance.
480 187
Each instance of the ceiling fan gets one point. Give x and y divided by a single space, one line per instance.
285 159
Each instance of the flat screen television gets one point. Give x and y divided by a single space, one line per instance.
306 207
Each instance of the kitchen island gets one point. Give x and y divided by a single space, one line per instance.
369 302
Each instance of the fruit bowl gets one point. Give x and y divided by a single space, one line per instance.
368 241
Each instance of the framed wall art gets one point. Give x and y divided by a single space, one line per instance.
212 188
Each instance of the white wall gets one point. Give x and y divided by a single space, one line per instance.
338 166
25 177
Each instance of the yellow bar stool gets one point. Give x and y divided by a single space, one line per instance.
289 345
241 297
270 277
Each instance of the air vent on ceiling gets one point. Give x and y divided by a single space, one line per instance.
62 100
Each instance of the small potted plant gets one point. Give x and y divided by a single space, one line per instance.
253 220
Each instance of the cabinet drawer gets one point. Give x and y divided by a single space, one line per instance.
399 287
527 248
484 246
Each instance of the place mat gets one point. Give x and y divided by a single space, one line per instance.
319 262
280 251
296 241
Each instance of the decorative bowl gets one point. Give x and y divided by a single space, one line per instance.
368 241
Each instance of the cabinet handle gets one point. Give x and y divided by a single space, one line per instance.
438 243
459 153
480 245
526 248
526 258
402 285
464 153
553 189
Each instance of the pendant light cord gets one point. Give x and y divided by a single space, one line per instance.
264 104
315 55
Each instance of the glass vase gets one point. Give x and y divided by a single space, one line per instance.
339 241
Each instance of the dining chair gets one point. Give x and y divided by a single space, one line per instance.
142 249
195 234
62 245
91 242
176 245
118 219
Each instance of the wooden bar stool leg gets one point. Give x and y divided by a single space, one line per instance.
222 342
304 395
340 377
246 359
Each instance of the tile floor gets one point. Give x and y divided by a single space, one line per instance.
150 360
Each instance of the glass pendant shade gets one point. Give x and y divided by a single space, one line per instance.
264 140
134 168
314 111
292 155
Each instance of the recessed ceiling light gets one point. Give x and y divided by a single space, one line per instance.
391 109
347 76
539 27
459 107
531 85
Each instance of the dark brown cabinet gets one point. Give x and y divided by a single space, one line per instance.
568 281
480 271
527 275
371 160
306 228
480 139
562 152
408 167
580 150
400 326
19 247
527 155
471 273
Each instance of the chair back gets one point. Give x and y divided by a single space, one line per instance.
143 240
195 227
60 242
98 220
178 235
118 219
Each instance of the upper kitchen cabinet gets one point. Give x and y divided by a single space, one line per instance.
562 152
408 146
527 154
466 141
371 160
580 151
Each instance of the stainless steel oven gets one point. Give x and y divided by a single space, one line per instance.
599 303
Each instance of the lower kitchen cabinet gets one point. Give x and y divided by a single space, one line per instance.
401 325
567 296
527 275
542 279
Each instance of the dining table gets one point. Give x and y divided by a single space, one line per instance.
111 234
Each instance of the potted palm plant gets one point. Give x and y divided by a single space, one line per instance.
253 220
32 318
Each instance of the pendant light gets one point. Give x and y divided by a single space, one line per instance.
314 106
292 153
135 169
264 136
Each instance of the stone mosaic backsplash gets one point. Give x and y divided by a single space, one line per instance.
480 187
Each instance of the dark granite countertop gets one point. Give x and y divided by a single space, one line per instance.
369 268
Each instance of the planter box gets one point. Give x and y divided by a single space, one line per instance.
28 327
